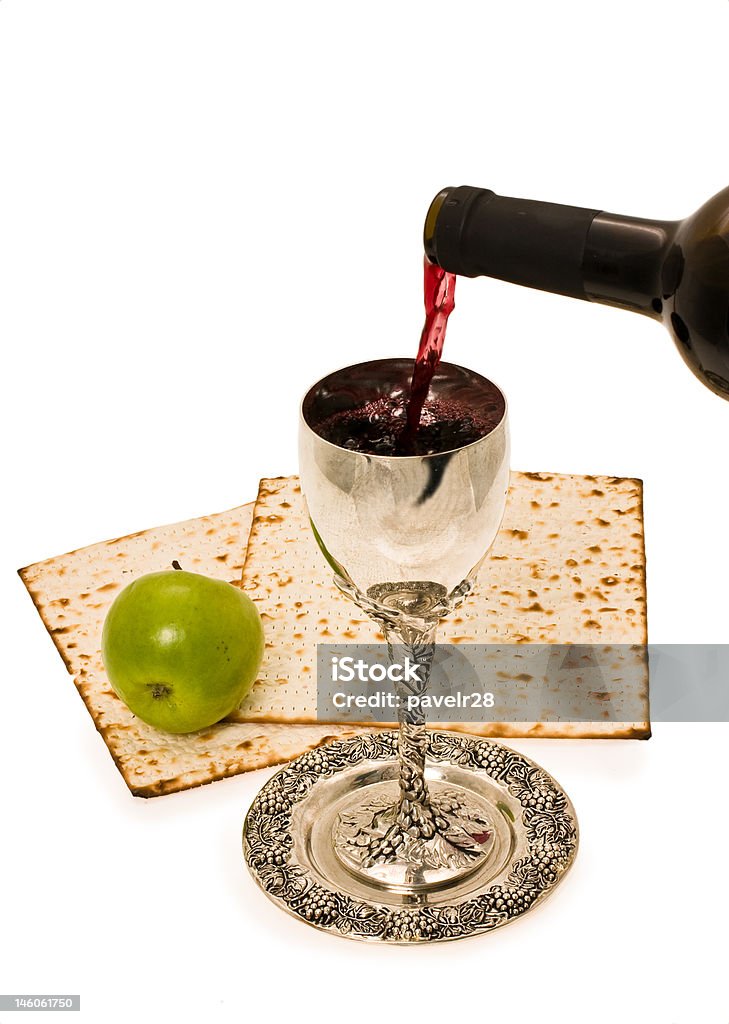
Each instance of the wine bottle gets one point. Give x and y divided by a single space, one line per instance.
673 271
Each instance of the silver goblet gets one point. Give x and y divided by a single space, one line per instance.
405 536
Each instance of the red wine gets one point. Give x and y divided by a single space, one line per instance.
413 424
377 427
439 296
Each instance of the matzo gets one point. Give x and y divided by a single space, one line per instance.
568 566
72 594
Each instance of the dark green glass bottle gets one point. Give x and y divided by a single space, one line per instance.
673 271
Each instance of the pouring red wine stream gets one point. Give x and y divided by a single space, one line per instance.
439 287
411 422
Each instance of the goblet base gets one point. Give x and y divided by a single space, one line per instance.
373 844
305 829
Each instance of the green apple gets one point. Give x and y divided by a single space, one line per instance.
180 649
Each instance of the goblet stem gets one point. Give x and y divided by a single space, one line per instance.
418 837
415 815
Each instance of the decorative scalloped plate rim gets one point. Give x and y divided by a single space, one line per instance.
548 828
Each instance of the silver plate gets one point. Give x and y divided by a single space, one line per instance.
288 846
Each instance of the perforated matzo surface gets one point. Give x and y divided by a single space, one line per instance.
568 566
72 594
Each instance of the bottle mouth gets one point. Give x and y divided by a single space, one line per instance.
431 220
445 224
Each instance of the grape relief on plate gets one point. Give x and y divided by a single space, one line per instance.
547 823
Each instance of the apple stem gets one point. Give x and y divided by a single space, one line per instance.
176 565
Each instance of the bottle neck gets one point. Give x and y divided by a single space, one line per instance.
587 254
624 262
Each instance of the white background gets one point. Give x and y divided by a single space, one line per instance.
204 207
